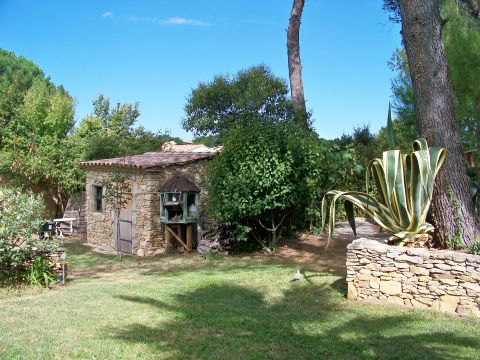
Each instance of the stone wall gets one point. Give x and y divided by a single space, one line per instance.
441 280
147 231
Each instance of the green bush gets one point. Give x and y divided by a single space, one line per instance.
20 218
264 180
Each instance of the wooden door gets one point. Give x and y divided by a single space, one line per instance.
125 241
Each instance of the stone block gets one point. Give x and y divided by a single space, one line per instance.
468 310
448 303
443 266
446 279
459 268
472 286
419 305
418 270
375 283
352 292
410 259
395 300
391 287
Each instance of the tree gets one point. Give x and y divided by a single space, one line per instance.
36 149
16 77
109 131
434 107
294 63
263 179
229 102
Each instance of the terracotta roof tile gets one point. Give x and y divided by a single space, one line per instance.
150 160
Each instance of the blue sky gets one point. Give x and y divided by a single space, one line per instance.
155 52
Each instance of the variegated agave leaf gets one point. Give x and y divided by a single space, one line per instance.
405 188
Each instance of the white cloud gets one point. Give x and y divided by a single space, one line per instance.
183 21
173 21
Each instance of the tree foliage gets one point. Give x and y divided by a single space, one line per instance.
36 148
229 102
263 179
109 131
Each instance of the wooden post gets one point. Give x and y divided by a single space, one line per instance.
167 239
180 247
189 237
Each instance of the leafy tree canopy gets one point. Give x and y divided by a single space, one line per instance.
37 117
109 131
264 178
229 102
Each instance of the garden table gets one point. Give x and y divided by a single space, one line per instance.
58 222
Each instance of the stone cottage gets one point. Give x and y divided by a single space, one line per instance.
141 231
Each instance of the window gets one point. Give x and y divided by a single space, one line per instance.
97 198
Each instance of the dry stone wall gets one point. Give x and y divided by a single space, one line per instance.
441 280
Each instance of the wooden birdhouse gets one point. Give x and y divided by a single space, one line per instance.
179 211
179 201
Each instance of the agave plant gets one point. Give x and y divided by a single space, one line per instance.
405 187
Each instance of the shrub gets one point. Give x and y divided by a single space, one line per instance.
263 180
20 214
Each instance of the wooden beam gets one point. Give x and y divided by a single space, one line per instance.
177 238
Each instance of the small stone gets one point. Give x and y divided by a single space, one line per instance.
468 310
448 303
446 279
401 265
387 268
141 252
418 304
363 277
443 266
391 287
375 283
459 268
418 270
411 259
352 292
364 261
372 267
472 286
395 300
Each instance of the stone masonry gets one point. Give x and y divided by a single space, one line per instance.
147 231
441 280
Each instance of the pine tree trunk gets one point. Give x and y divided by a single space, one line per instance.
294 64
422 36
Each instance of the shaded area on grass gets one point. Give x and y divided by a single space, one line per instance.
222 321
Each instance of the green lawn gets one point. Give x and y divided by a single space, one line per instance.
229 308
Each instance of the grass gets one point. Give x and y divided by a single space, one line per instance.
186 307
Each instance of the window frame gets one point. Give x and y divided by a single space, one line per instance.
97 190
